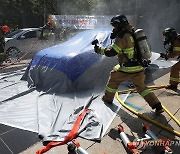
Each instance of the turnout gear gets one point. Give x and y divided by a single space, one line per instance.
169 35
96 47
105 101
143 52
172 87
173 40
128 67
158 108
117 77
3 56
2 41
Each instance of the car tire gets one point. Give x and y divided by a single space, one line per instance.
13 54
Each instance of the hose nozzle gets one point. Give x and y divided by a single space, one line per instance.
95 42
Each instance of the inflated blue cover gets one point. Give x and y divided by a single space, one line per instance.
74 56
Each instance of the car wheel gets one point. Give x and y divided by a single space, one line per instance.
13 54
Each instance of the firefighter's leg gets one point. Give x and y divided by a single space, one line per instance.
115 79
147 93
174 75
2 58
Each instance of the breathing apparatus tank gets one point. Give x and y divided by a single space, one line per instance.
143 44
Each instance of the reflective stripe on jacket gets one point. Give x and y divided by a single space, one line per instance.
111 90
127 53
175 79
176 49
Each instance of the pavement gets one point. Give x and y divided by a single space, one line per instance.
13 140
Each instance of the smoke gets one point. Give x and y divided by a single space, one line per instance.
160 15
151 15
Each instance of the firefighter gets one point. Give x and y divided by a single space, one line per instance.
2 43
48 28
172 39
128 67
3 31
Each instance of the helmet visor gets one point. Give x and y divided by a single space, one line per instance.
166 40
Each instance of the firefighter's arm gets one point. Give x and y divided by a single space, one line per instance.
109 52
174 50
163 55
113 50
174 53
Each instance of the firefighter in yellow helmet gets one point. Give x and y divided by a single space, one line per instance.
172 39
128 67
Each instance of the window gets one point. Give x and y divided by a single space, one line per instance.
13 33
30 34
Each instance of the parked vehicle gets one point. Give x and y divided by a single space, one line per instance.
27 40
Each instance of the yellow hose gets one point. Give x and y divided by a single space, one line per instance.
172 116
154 87
148 119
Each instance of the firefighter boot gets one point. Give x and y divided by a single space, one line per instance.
106 101
172 87
158 108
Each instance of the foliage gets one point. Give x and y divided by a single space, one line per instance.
33 13
25 13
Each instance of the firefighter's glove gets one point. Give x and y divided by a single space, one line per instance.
96 49
146 63
162 55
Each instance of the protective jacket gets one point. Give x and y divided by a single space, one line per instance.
175 48
1 42
174 74
123 47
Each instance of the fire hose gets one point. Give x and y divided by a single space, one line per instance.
154 87
148 119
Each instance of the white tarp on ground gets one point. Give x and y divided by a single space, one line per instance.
61 80
46 113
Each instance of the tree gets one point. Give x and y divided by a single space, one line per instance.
25 13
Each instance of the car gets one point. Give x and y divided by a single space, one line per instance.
27 42
73 64
69 63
